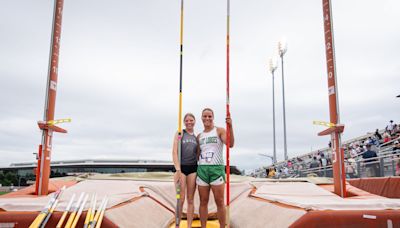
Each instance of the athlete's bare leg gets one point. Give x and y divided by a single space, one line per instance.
204 193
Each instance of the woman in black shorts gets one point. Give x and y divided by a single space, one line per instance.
186 170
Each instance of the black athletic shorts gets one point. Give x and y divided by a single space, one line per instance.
188 169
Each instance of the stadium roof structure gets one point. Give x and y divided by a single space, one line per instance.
110 165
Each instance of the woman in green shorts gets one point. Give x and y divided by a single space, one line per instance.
186 169
211 166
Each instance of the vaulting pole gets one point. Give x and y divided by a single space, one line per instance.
178 186
65 213
339 177
42 180
228 115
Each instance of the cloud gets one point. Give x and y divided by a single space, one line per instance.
119 74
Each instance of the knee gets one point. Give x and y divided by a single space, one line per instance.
190 201
182 201
204 202
219 202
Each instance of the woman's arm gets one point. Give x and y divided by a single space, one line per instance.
222 133
175 153
198 147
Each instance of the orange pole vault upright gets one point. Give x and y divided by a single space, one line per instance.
336 129
42 179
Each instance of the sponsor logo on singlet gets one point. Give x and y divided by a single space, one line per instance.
208 140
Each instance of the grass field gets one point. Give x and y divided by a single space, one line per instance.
2 193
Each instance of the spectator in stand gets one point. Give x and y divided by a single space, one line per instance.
359 149
271 173
285 171
314 163
375 140
386 137
390 126
289 164
323 163
373 147
378 135
278 174
353 165
370 163
396 131
349 169
353 152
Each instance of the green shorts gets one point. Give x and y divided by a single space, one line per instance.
210 175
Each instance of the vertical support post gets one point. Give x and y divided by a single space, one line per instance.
45 155
339 177
37 173
284 112
381 166
393 167
273 116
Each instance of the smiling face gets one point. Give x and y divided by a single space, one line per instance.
189 122
208 118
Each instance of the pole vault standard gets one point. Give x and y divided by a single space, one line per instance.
228 115
336 129
178 186
48 127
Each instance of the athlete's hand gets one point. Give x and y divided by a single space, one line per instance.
228 121
177 176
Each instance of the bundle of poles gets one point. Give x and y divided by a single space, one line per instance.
93 217
45 214
228 137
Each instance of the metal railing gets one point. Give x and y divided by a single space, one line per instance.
385 164
380 166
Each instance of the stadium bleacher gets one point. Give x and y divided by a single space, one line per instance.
384 142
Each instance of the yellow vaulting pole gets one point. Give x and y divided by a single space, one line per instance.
97 215
78 215
93 210
64 215
178 185
42 215
74 211
38 220
89 213
102 214
49 214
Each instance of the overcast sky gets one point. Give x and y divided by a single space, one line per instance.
119 74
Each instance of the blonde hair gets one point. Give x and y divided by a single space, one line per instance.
188 114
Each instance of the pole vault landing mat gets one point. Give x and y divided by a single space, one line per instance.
148 200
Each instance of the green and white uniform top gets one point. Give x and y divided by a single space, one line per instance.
211 148
211 169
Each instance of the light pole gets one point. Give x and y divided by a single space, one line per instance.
272 67
268 156
282 48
